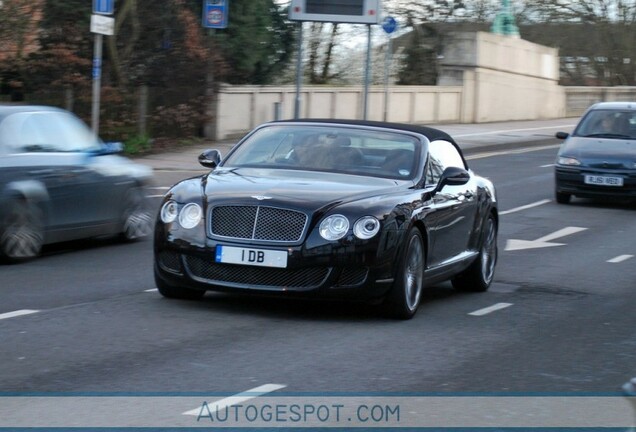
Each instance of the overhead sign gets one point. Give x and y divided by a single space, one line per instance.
215 14
103 7
336 11
101 24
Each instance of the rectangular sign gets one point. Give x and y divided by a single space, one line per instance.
215 14
104 7
336 11
103 25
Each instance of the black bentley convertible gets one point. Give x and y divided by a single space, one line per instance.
330 208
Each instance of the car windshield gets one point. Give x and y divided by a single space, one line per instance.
46 131
329 148
608 124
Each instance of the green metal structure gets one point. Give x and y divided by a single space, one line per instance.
504 23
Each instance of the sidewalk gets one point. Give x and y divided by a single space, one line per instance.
472 138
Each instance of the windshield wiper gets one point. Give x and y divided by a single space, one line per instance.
606 135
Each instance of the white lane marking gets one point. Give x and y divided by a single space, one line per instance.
155 196
525 207
151 290
159 187
620 258
238 398
547 166
543 242
506 152
516 130
18 313
493 308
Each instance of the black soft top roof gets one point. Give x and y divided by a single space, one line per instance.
429 132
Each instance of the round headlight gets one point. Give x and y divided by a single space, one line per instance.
334 227
190 215
169 212
366 227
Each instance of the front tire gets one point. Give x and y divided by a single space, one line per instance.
404 298
136 216
22 231
562 198
480 274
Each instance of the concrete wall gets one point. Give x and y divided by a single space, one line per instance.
241 108
503 77
578 99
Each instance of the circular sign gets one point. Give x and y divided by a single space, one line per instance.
215 16
389 24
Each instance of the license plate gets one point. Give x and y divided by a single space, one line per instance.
248 256
603 180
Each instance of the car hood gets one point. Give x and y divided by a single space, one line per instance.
590 151
304 189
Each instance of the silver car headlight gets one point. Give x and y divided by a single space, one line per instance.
568 161
169 212
334 227
366 227
190 215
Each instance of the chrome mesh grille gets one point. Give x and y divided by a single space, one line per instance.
256 277
257 223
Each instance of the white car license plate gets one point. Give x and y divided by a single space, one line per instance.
603 180
248 256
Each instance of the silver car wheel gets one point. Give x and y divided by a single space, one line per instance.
414 273
22 237
489 252
137 218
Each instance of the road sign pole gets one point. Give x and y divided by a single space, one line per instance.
299 71
387 62
367 74
97 81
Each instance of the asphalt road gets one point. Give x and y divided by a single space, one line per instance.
559 317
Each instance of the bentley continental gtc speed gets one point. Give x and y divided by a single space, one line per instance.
357 210
598 160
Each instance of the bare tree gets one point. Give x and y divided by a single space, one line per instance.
596 38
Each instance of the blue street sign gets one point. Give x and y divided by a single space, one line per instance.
389 24
215 13
104 7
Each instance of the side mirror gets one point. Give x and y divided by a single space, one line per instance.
562 135
210 158
453 176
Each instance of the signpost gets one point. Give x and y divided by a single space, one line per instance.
389 25
215 14
101 25
335 11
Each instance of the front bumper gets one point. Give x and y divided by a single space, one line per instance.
571 180
339 270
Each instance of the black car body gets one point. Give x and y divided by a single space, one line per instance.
377 211
59 182
599 158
